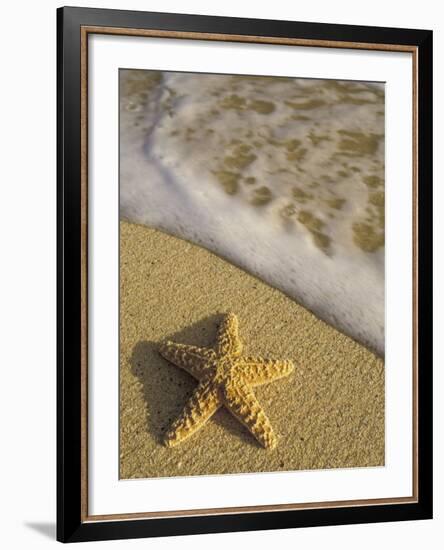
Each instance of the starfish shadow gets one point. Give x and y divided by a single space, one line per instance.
166 387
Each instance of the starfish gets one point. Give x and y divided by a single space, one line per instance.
225 379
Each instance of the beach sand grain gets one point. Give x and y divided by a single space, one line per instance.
328 414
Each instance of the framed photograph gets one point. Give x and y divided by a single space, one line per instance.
244 274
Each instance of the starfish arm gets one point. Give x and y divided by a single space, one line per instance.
196 361
242 403
201 406
228 341
256 370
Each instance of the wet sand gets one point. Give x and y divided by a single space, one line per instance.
328 414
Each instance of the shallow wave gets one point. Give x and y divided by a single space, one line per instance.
283 177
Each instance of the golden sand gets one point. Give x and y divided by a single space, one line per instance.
328 414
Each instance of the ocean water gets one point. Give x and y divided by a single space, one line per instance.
284 177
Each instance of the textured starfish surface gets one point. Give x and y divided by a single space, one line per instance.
225 379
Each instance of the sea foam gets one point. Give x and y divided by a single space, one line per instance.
284 177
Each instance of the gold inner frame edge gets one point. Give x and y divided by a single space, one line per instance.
85 32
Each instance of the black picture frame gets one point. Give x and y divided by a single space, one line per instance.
73 523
